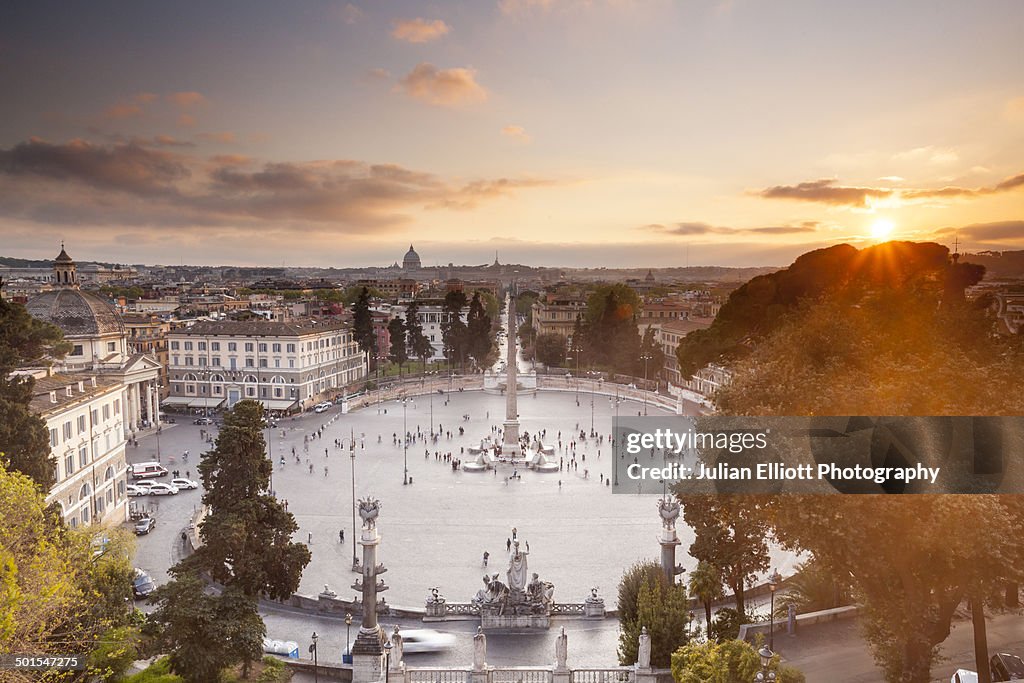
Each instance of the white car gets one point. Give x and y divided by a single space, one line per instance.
133 490
964 676
143 485
426 640
161 489
322 407
182 483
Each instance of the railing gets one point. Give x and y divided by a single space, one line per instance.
565 608
463 608
619 675
430 675
519 675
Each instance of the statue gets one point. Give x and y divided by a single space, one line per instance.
668 508
397 653
517 568
561 650
643 659
435 597
541 592
479 650
368 511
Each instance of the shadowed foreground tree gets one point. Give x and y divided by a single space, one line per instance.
646 600
893 338
705 585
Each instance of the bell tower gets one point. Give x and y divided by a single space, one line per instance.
64 272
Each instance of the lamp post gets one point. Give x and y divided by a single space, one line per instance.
646 357
316 663
405 442
387 660
431 391
347 659
764 675
773 585
352 457
159 390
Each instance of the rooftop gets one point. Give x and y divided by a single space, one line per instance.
260 328
41 403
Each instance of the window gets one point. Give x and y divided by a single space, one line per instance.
175 360
81 424
232 346
202 361
83 456
111 347
250 391
177 388
250 363
217 390
77 350
291 362
291 348
188 346
215 361
249 347
174 346
106 411
67 430
277 362
263 362
263 348
117 406
188 361
202 346
190 388
54 439
277 348
215 346
69 466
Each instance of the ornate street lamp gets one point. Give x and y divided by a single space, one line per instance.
646 357
316 664
387 660
347 658
764 675
773 585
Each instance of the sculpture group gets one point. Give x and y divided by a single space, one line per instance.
500 603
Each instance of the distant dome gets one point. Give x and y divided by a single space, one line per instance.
75 312
411 260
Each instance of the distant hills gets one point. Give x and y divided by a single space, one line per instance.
998 264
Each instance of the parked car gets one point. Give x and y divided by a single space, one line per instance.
182 483
143 584
145 525
143 485
964 676
159 488
1006 667
203 421
133 490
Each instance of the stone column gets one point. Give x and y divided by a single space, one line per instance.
368 651
669 510
510 442
154 419
131 410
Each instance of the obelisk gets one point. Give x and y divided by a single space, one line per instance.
510 443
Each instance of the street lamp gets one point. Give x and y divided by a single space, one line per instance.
316 663
352 456
773 584
347 657
646 357
764 675
405 442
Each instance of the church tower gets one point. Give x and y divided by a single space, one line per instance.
64 272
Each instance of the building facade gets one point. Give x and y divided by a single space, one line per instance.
84 415
285 365
556 313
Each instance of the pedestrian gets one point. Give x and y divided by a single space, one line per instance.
184 539
311 468
486 556
508 541
559 484
188 474
514 532
325 470
341 536
310 540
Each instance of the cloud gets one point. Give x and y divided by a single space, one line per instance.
522 6
224 137
419 30
378 74
350 14
443 87
516 133
691 229
133 107
184 100
1014 110
928 154
1012 231
827 192
130 185
187 121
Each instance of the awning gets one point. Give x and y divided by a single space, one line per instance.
205 402
176 401
277 404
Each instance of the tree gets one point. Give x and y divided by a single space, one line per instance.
730 534
362 326
24 441
453 328
705 584
479 330
399 351
417 342
612 338
203 633
730 661
551 349
247 533
651 349
663 609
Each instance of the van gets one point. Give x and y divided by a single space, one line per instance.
147 470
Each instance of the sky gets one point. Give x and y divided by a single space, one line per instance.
594 133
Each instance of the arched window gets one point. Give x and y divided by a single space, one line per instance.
217 378
109 474
84 492
190 377
249 379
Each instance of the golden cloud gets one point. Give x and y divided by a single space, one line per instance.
443 87
419 30
516 133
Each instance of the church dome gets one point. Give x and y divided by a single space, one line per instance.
411 260
75 312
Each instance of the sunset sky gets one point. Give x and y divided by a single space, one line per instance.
557 132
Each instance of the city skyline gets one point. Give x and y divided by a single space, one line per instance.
556 132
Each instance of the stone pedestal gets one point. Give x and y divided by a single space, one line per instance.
593 608
492 622
368 657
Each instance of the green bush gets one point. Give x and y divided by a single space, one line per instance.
732 661
116 651
726 625
158 672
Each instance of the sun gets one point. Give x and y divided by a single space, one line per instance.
882 228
